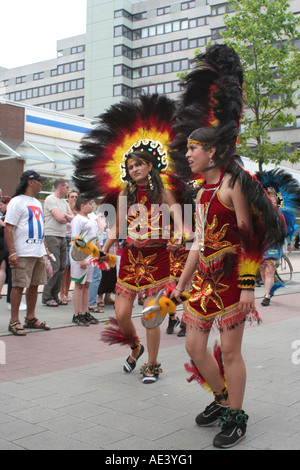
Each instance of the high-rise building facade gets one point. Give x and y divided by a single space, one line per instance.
56 84
135 47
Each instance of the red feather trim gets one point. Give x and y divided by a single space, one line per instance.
218 357
196 375
192 369
113 335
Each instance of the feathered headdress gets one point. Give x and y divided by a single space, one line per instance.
210 112
286 189
284 186
144 124
212 97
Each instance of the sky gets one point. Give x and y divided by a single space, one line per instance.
29 29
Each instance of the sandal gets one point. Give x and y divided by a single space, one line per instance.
12 327
96 310
100 304
51 303
130 366
61 302
150 373
32 324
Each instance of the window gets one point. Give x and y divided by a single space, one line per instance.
20 80
38 76
117 70
163 11
77 49
118 51
160 29
188 5
118 31
117 90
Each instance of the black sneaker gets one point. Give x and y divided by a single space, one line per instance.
92 320
266 301
182 331
172 325
211 414
233 425
80 320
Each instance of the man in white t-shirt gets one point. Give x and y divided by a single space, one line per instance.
57 214
24 235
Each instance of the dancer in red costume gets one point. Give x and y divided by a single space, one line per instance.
229 244
145 264
128 152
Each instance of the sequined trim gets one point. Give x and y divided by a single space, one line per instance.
131 291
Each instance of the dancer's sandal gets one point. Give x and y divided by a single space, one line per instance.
130 366
13 328
150 373
33 324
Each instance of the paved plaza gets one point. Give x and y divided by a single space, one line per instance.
65 389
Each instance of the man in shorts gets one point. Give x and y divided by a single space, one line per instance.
24 235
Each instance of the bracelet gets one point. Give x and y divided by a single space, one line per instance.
178 289
13 254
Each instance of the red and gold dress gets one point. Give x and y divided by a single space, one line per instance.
215 293
145 260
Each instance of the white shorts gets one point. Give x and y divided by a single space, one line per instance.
79 275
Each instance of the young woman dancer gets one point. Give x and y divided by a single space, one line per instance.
126 155
227 249
145 264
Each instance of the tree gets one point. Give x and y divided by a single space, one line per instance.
263 33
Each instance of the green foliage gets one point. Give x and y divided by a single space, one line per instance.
263 34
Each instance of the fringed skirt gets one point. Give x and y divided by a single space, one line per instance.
215 299
143 270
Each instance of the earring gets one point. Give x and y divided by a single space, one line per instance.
131 187
211 163
150 182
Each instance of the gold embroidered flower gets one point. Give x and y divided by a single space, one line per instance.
214 239
140 268
208 287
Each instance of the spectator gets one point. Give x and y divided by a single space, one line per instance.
65 286
57 215
109 278
4 265
82 271
24 235
97 273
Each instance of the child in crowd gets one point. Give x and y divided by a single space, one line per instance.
82 271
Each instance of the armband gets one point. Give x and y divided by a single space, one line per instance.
247 282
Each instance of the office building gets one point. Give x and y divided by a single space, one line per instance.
56 84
